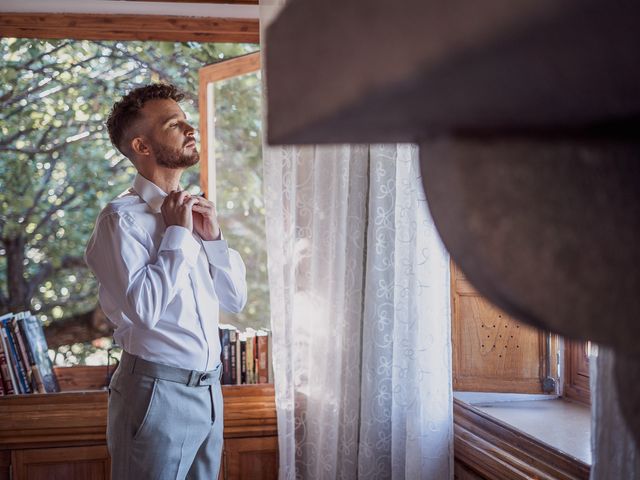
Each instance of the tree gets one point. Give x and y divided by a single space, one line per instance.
58 168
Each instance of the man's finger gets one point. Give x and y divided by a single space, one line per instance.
204 201
201 209
182 196
190 202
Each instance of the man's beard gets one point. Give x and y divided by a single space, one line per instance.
175 158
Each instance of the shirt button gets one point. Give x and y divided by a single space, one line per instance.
204 377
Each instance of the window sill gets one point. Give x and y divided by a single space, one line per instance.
521 438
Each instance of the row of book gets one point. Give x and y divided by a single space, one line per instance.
25 366
246 356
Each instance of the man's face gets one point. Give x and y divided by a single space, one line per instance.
170 137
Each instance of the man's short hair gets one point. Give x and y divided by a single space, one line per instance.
127 111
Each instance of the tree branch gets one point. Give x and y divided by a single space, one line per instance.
44 54
15 136
55 148
46 219
47 269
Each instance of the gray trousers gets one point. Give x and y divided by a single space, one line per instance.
164 422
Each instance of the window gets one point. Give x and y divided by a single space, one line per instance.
231 171
496 360
58 169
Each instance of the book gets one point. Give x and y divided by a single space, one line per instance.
8 380
14 359
233 341
238 359
250 355
37 344
246 357
270 358
22 350
243 358
36 376
225 354
262 371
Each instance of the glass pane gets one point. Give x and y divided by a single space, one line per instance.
238 163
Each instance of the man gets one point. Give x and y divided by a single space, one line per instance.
163 270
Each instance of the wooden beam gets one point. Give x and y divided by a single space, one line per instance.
85 26
230 68
226 2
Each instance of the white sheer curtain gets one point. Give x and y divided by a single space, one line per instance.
614 451
360 315
406 403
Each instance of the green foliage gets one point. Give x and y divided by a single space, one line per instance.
58 168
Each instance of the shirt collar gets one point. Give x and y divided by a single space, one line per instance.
149 192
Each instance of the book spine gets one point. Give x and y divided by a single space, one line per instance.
7 384
38 382
243 362
22 354
238 360
226 358
249 358
263 373
37 345
15 363
5 366
255 359
270 358
233 340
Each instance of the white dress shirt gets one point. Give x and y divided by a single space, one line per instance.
162 287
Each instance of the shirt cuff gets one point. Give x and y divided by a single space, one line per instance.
217 252
179 238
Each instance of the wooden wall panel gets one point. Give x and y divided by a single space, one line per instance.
251 458
576 361
492 352
90 462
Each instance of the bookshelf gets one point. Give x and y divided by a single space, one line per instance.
63 435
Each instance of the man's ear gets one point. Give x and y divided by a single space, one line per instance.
140 147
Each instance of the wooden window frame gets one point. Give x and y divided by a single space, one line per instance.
207 75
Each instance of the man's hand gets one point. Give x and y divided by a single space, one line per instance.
176 209
205 219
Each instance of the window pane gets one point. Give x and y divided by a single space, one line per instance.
238 164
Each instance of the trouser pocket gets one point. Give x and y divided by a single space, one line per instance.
143 411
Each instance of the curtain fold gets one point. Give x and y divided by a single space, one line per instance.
406 385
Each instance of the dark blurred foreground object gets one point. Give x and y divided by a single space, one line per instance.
527 114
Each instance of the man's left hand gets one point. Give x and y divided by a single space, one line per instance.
205 219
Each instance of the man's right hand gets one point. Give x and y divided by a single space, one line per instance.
176 209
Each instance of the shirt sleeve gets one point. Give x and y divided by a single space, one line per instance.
143 283
229 275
